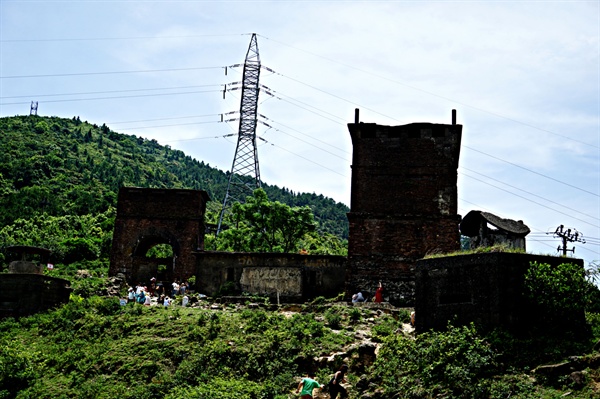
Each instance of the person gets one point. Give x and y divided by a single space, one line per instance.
152 286
412 318
141 297
379 293
175 288
307 385
358 297
147 301
184 301
130 295
335 385
166 301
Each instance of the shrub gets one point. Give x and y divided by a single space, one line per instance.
557 295
451 363
333 318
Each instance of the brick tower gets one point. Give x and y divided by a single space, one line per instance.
403 204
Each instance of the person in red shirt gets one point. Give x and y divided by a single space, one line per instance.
379 293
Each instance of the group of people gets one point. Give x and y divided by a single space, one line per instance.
358 297
335 387
142 294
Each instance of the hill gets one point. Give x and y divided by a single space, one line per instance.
95 348
58 166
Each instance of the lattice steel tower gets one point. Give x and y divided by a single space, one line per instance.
244 176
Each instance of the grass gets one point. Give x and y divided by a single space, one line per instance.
94 348
479 250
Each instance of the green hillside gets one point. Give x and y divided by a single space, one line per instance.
60 167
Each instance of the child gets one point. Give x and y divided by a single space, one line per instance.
307 385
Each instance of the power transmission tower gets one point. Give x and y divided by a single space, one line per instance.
567 235
244 176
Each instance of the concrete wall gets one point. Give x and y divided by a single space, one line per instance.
293 276
481 288
403 203
26 294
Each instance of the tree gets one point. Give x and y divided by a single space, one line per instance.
260 225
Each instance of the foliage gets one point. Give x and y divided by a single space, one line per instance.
450 363
66 167
95 348
71 238
261 225
559 293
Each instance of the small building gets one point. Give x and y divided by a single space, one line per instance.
476 226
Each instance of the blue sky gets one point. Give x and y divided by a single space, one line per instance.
523 77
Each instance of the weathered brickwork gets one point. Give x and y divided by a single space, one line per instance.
486 289
23 294
403 203
293 277
147 217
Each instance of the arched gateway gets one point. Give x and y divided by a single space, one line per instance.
157 232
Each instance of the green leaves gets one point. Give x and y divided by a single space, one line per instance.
558 297
260 225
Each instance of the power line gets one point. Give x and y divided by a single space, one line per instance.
117 97
107 92
528 192
435 95
114 38
532 171
108 73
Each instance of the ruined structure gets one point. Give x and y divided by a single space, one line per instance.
25 290
476 226
147 217
403 206
403 203
287 277
486 289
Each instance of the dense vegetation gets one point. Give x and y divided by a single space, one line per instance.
59 180
59 167
95 348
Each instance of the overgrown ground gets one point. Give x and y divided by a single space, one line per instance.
95 348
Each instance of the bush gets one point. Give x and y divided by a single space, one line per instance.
557 295
451 363
333 318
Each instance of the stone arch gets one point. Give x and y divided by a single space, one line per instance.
149 217
145 267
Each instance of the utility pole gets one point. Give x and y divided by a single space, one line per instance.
244 176
567 235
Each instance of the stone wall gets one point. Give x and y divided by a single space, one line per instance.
147 217
291 276
481 288
403 203
26 294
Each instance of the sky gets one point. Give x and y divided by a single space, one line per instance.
523 76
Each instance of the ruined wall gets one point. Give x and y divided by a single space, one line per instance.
293 276
403 203
147 217
481 288
26 294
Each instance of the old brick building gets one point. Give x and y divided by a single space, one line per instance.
403 204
